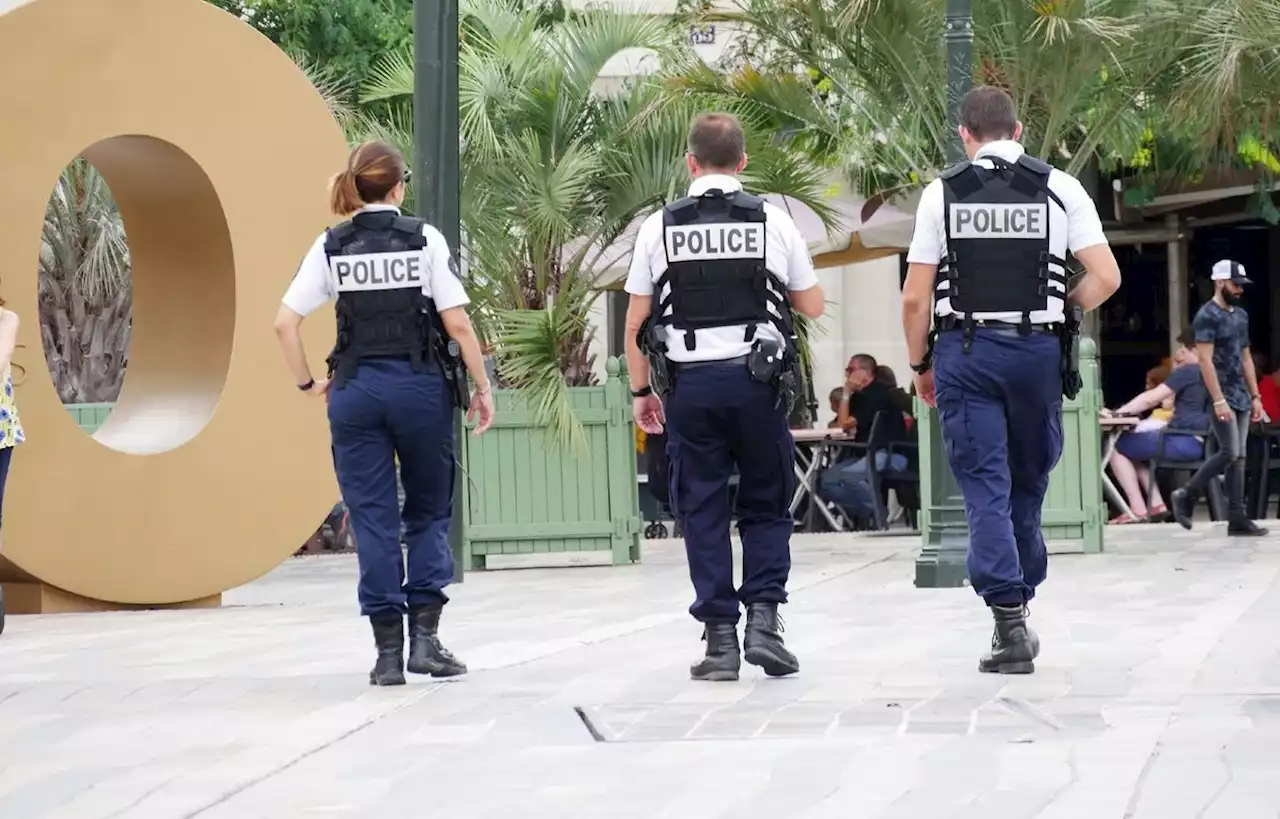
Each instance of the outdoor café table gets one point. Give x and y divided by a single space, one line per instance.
1112 428
811 448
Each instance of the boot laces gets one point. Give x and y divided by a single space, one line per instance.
436 646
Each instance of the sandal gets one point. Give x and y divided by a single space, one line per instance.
1122 520
1159 515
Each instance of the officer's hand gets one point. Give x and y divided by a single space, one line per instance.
321 387
648 413
1257 412
924 388
481 403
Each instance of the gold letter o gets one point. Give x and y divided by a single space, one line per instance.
212 469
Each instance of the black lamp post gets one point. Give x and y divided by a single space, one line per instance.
436 163
942 560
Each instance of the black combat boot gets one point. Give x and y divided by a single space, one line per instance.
1239 523
723 657
1012 650
426 655
762 641
1032 637
388 634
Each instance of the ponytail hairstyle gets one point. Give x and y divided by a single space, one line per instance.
372 173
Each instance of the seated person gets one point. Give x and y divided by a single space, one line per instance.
1268 388
1190 412
903 401
836 396
846 483
1161 414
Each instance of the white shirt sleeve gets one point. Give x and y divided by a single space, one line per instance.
1084 228
311 287
800 272
640 274
930 238
444 283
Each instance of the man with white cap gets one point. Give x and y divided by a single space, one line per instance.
1221 329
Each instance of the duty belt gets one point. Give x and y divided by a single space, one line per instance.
946 324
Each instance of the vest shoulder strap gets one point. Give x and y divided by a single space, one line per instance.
746 207
338 237
681 211
411 226
955 170
1036 166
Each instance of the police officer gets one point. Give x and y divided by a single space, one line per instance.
397 288
725 268
990 239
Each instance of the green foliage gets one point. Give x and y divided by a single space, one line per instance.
345 37
555 171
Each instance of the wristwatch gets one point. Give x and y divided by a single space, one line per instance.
643 392
922 367
307 386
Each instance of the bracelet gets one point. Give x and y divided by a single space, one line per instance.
482 390
307 386
1222 402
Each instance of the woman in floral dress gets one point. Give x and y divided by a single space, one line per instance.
10 427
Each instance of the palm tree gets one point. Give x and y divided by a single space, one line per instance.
873 92
555 171
85 297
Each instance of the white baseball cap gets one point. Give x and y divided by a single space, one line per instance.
1226 269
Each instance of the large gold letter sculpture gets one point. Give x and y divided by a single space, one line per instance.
212 469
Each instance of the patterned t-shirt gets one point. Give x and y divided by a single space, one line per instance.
1228 331
10 427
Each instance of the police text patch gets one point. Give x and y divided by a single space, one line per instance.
724 240
1002 221
379 271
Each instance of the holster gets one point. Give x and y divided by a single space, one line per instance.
1069 338
769 362
650 342
449 354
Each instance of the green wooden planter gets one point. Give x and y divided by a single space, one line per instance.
88 416
1073 514
523 494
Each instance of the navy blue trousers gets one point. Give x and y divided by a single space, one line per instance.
718 419
388 411
1000 407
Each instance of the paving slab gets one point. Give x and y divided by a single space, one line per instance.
1157 696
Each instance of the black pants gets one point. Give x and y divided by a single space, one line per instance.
1232 434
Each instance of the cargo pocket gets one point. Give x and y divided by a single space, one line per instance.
787 474
674 468
954 423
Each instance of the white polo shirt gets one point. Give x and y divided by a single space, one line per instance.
1074 229
314 284
786 257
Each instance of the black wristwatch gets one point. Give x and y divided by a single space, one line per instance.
922 367
643 392
307 386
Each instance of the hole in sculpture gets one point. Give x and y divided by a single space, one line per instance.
85 295
159 306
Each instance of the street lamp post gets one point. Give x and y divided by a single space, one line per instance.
436 164
942 560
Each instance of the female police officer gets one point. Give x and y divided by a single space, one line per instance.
396 286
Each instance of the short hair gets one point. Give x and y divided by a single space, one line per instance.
1187 338
988 113
836 394
864 361
1157 376
717 141
885 375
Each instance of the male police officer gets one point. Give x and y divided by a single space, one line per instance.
722 264
996 229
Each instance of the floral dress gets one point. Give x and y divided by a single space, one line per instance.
10 427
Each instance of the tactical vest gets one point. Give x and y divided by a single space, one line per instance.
999 258
378 266
716 274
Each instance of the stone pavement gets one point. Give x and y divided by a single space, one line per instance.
1157 696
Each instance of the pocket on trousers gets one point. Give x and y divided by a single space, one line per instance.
787 472
953 420
674 468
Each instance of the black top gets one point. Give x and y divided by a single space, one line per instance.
873 398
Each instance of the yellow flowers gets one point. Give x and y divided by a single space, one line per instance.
1254 152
